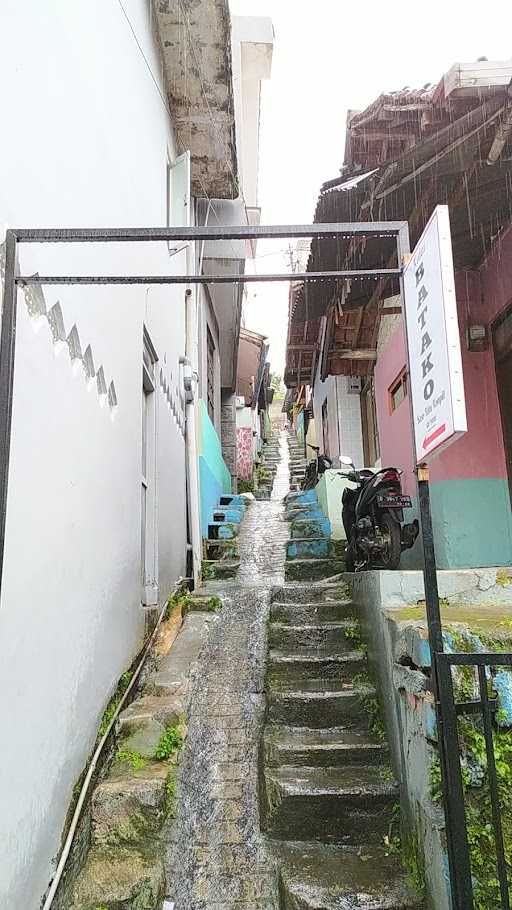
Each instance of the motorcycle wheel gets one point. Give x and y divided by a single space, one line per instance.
391 529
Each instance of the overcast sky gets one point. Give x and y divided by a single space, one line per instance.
330 56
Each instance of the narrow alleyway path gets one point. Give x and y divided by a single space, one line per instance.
217 858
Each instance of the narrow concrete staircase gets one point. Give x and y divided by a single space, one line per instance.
310 552
267 467
297 462
329 797
221 556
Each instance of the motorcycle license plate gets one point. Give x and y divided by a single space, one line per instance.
392 501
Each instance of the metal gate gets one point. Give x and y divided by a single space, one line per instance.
482 709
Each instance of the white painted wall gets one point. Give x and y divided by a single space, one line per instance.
86 145
344 417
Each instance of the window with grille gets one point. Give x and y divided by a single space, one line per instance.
210 375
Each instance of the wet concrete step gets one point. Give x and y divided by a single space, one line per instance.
318 704
306 593
351 804
327 877
310 614
313 569
220 568
323 637
289 666
331 747
220 548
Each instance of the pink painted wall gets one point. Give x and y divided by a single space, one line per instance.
394 429
481 295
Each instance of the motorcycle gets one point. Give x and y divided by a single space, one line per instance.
315 469
373 515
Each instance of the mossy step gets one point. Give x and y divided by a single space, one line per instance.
292 665
352 804
319 592
322 704
120 877
310 614
330 747
313 524
221 568
313 569
221 549
329 877
129 807
327 637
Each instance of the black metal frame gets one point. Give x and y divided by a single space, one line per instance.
450 710
14 237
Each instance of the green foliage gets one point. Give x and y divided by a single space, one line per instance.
214 604
170 742
134 759
436 787
479 818
111 708
276 383
412 858
245 486
365 688
170 789
207 572
182 599
353 634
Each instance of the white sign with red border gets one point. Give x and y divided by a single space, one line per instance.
435 362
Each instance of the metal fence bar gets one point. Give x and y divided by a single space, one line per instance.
209 279
453 790
493 786
211 232
500 659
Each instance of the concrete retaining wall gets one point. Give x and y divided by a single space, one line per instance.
392 616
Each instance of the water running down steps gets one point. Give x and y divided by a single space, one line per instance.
327 795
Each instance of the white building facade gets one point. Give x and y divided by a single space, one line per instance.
96 527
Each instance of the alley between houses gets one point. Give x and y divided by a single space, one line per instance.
217 855
282 740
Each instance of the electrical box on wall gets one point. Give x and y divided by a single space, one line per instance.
354 385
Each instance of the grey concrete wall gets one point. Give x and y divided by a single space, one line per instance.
408 710
228 431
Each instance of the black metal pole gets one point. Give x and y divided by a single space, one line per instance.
435 633
453 791
7 349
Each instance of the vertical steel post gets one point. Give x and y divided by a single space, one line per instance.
453 790
7 349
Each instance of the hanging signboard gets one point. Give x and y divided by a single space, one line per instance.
435 363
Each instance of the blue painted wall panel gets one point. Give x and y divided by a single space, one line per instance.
472 523
210 490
